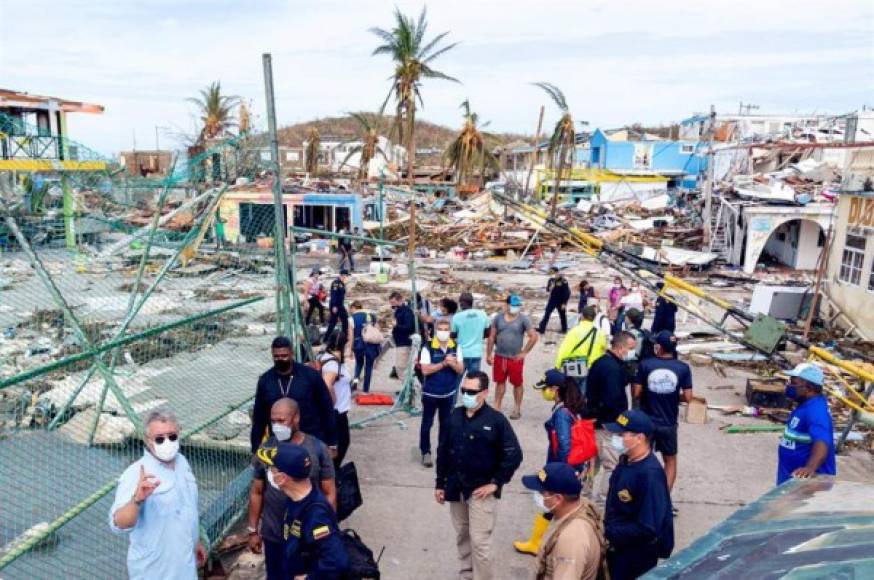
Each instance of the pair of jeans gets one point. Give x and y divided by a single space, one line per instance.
562 316
472 364
365 357
343 437
340 316
346 258
274 560
315 304
442 407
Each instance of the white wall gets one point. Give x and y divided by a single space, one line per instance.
800 249
808 248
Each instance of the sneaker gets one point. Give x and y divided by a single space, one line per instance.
426 460
516 414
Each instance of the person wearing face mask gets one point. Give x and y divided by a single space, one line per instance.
638 522
615 296
606 399
156 503
575 547
807 447
569 407
313 545
441 364
506 352
402 333
662 382
478 454
559 295
289 378
581 347
267 502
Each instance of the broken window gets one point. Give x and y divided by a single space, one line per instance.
852 259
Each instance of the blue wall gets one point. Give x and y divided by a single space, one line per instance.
350 200
666 156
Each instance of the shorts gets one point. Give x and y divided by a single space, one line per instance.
665 439
508 369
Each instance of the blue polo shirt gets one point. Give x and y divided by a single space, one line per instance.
811 421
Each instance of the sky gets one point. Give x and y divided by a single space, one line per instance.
617 61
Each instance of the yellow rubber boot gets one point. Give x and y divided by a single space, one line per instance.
533 544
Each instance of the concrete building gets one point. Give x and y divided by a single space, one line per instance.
33 134
343 156
850 281
854 127
146 163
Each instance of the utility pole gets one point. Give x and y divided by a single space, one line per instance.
284 287
534 150
708 182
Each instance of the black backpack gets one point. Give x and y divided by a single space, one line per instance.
362 565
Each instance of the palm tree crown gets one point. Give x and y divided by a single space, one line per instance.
216 111
468 147
369 137
562 141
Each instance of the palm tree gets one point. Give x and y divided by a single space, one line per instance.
413 57
216 111
369 148
561 144
311 154
468 147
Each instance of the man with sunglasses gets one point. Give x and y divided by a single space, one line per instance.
478 454
156 503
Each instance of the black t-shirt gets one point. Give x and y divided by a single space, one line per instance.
638 515
662 380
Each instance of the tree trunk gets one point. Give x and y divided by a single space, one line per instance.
411 162
482 171
558 174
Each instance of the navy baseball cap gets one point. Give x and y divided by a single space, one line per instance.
552 378
632 420
292 460
556 477
666 340
344 272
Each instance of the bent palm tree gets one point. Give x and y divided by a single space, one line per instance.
369 148
413 57
468 147
561 143
216 111
311 154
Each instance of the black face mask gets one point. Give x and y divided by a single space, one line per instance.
282 365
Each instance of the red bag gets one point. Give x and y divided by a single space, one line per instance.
584 446
374 399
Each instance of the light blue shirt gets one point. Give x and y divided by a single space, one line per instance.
469 326
163 541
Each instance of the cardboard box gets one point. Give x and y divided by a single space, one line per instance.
696 411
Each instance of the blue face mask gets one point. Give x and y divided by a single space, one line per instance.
469 401
791 392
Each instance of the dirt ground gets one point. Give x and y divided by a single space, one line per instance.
717 473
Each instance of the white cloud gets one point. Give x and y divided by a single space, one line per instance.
616 61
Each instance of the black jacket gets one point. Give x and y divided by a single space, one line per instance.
559 290
605 389
475 451
405 326
312 396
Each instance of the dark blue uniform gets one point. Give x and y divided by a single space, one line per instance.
337 306
559 294
638 520
312 539
665 316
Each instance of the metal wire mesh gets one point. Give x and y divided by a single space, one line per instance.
96 335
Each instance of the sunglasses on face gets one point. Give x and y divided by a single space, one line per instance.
470 392
172 437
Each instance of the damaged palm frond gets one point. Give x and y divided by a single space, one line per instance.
562 141
216 111
468 150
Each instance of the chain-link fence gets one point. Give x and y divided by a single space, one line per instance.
96 336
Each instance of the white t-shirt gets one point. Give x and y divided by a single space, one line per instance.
633 300
425 355
343 383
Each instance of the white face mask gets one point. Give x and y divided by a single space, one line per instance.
167 450
540 502
270 480
282 432
442 335
515 309
618 444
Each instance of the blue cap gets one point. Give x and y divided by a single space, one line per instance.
666 340
809 372
514 300
344 272
556 477
552 378
632 420
292 460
